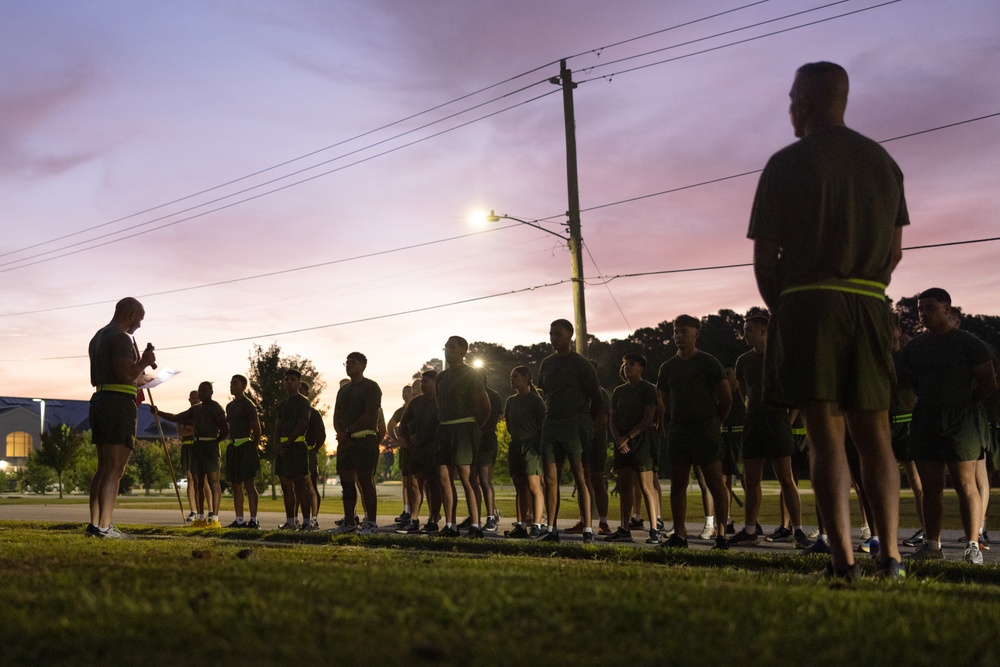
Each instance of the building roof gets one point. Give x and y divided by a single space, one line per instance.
75 414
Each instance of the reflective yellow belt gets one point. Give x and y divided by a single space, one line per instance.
364 433
904 418
463 420
799 431
301 438
732 429
239 441
849 285
187 441
118 388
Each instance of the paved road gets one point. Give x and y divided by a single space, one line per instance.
78 513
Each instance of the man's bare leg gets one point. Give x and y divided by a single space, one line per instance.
831 477
680 475
111 462
879 475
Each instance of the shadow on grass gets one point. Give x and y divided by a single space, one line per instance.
746 560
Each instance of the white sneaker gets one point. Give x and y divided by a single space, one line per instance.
866 532
369 528
112 533
707 533
813 534
973 554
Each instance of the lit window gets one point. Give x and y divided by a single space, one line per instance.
19 444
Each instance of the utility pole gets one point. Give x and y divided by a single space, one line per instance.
565 79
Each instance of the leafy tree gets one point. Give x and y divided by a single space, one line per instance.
266 378
84 468
36 474
149 466
61 446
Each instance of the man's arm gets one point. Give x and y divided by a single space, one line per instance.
986 380
128 368
171 417
221 422
254 426
723 399
765 270
897 248
483 406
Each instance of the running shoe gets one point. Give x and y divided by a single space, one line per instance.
973 554
548 536
866 531
475 533
411 527
890 569
112 533
403 518
780 534
654 537
917 539
534 532
252 524
588 537
370 528
675 542
659 523
744 539
869 546
984 541
813 534
343 529
519 533
720 544
603 528
291 526
92 530
620 535
707 532
635 523
190 518
760 531
801 540
306 527
213 521
199 523
449 532
492 524
926 553
819 547
847 576
730 528
237 524
465 525
430 528
315 523
575 529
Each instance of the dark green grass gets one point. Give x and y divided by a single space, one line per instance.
177 597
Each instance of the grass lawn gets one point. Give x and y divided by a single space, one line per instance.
173 596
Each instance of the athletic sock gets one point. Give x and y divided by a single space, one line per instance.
972 543
710 522
604 519
290 520
406 509
475 525
749 530
240 521
824 537
588 529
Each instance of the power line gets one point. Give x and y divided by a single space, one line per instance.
251 198
461 236
485 297
357 137
736 43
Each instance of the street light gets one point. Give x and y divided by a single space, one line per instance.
574 241
41 415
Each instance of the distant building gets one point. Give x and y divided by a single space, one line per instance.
21 424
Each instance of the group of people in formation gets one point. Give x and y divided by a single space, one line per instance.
826 226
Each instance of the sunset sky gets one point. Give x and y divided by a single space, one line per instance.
259 172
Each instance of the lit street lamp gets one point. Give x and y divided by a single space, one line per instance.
574 241
41 415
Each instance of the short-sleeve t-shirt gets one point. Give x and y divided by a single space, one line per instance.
108 344
629 402
290 412
690 385
316 430
524 415
831 201
943 365
420 418
207 418
356 399
750 371
569 385
240 414
457 388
